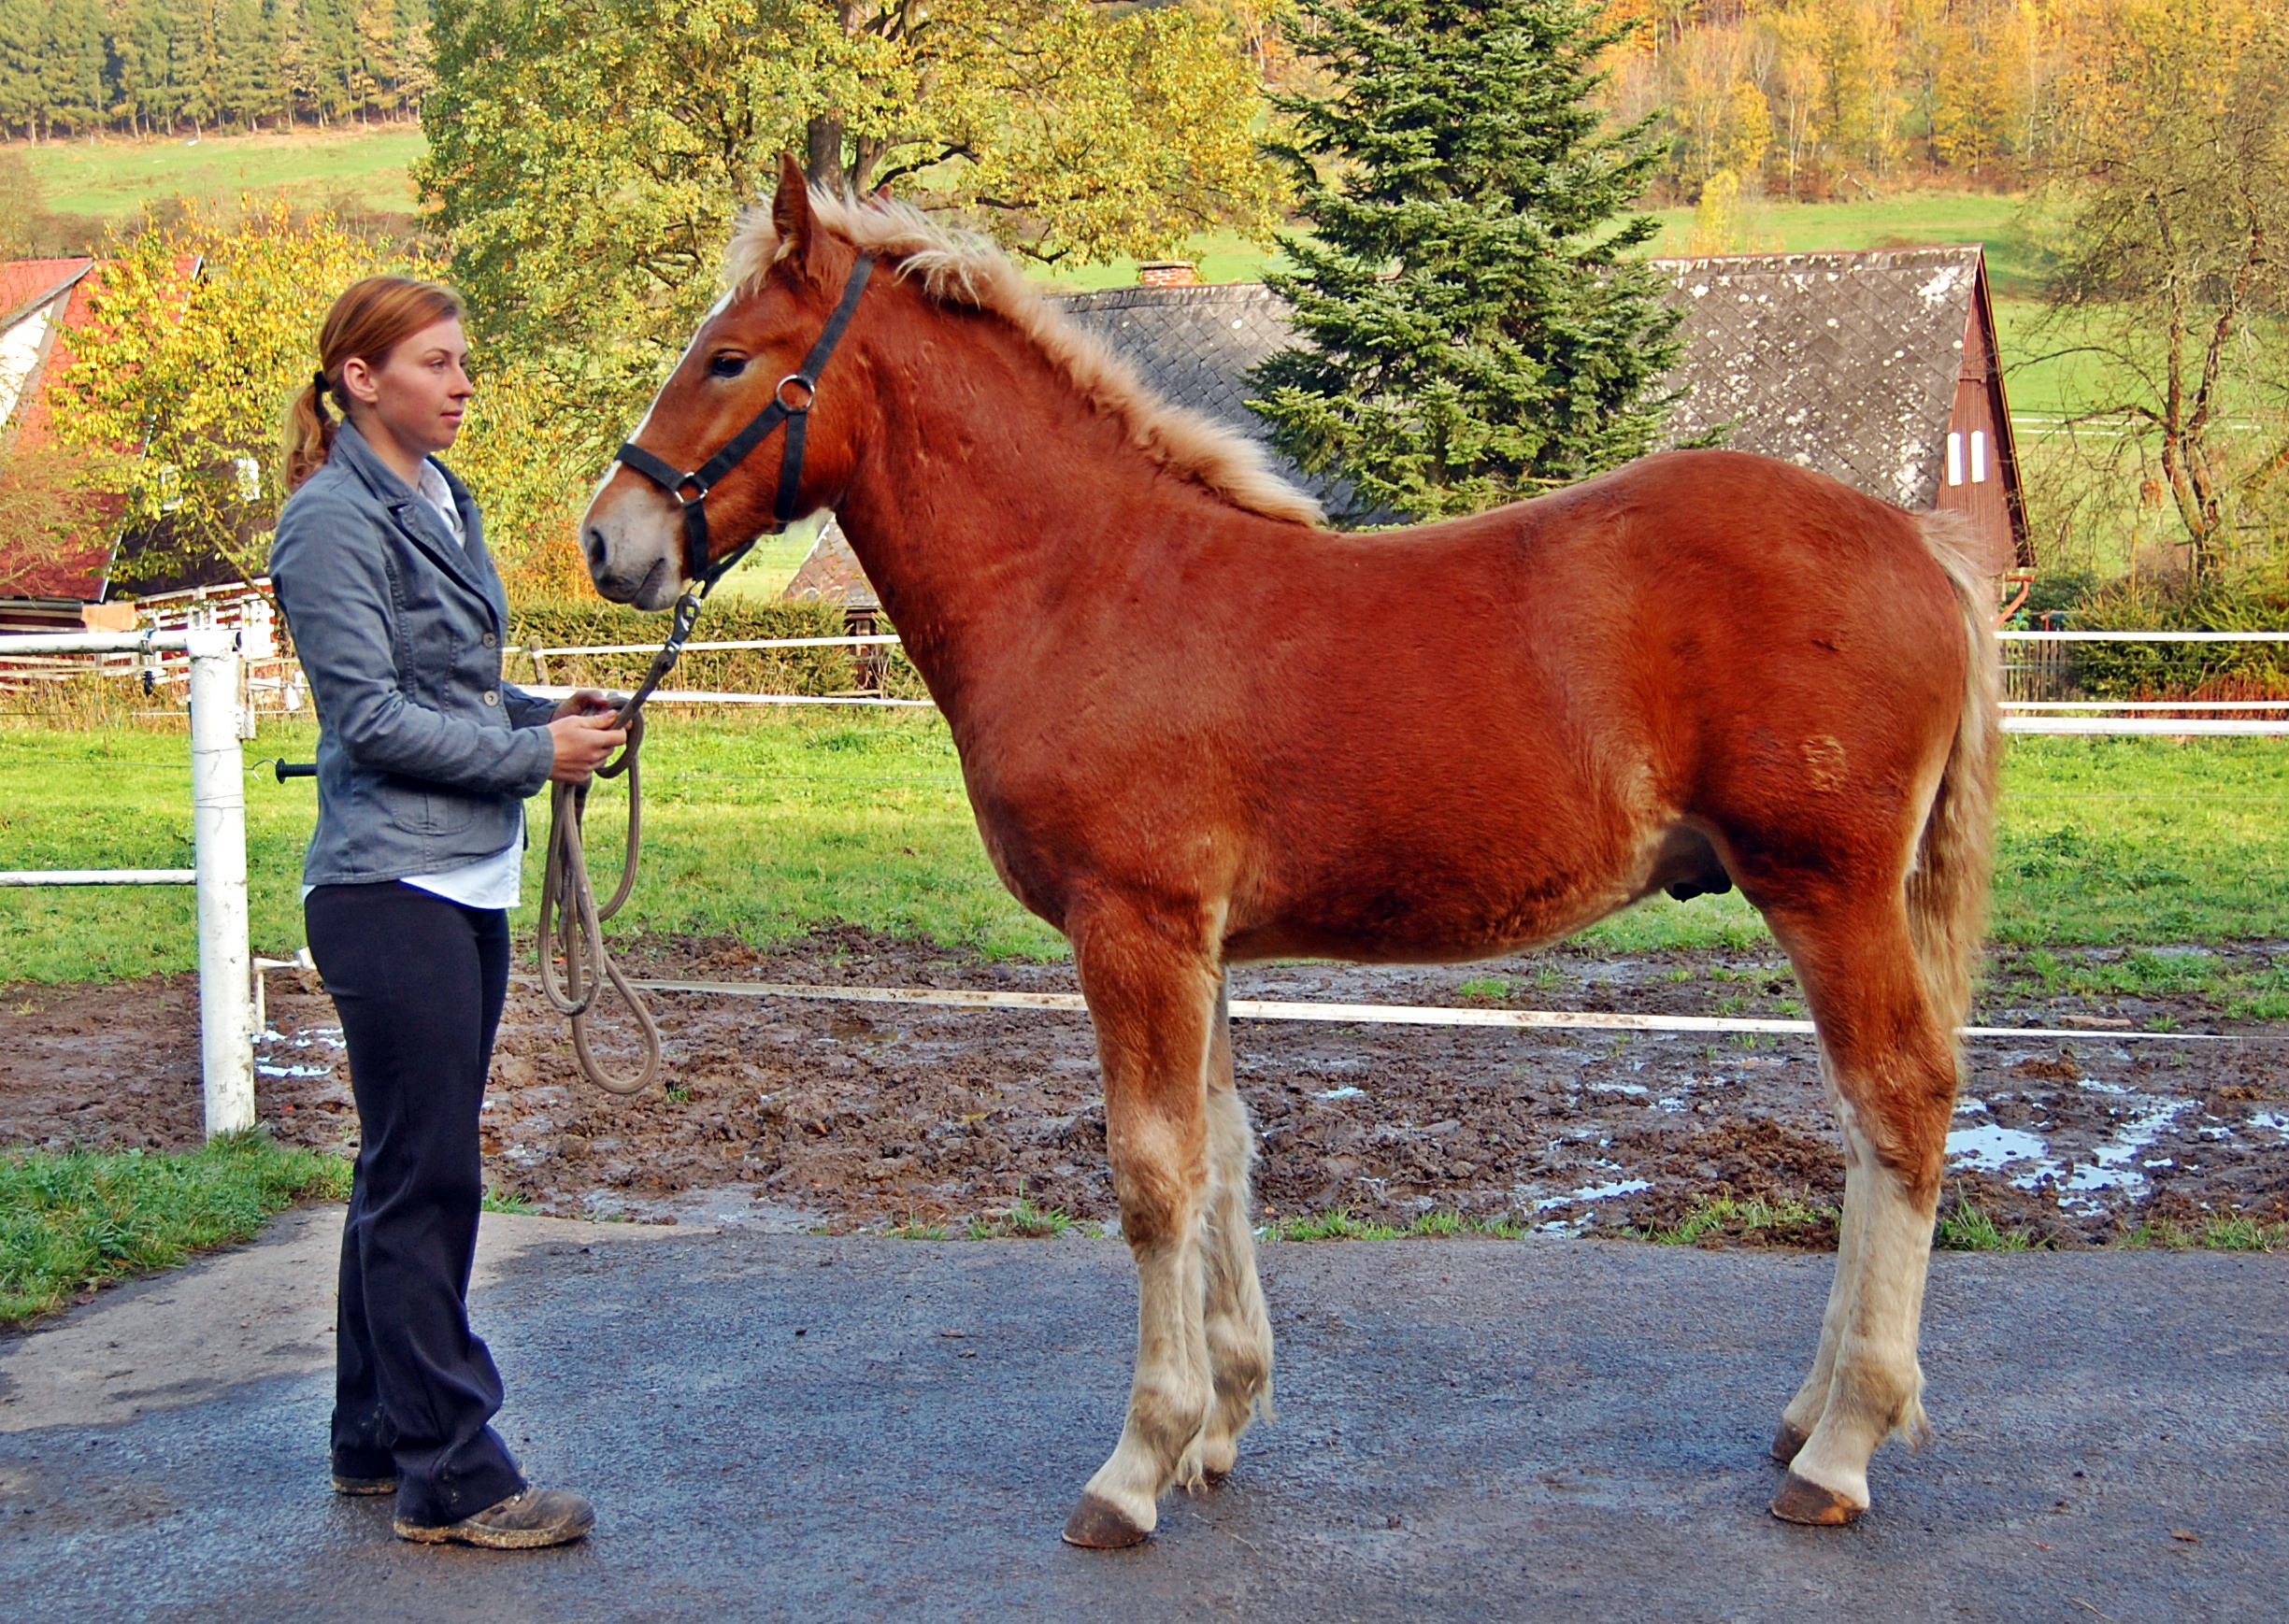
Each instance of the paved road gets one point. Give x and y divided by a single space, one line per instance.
783 1428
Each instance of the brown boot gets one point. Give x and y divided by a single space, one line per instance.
346 1485
526 1521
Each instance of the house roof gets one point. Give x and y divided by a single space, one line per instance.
1846 363
1194 346
42 304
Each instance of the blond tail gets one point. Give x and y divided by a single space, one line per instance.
1947 891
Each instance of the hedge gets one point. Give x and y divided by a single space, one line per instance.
2185 670
818 671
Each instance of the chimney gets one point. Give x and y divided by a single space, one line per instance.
1169 273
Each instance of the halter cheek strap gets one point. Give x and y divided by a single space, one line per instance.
803 385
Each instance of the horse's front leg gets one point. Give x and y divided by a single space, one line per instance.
1152 996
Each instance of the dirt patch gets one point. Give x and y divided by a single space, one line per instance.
811 1114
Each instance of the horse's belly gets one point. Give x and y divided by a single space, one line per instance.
1398 913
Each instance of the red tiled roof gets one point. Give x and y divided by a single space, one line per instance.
25 287
22 281
31 425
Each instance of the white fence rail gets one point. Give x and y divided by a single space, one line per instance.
219 841
2019 715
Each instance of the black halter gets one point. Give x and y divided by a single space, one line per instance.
795 415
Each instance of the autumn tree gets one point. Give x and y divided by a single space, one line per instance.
56 507
199 335
588 158
2172 289
196 336
1474 325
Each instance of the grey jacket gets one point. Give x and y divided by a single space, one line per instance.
425 754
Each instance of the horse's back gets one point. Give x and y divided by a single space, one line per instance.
1532 701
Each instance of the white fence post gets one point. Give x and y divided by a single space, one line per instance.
219 825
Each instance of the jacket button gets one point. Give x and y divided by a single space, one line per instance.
492 696
491 639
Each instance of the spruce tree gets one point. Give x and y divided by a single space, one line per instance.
1474 329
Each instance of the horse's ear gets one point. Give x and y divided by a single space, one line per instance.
791 213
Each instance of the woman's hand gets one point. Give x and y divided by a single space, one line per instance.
585 702
582 742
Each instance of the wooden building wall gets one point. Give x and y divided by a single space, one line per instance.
1980 477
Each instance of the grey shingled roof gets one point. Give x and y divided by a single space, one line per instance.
1845 362
1193 345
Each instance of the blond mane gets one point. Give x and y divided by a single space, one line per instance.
961 268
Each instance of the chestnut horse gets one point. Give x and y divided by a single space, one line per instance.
1198 729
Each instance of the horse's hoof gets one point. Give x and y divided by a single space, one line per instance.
1099 1525
1803 1500
1787 1441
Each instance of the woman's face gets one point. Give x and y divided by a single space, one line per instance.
419 393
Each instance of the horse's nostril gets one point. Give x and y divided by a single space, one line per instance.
593 539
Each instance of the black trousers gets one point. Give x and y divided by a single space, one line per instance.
418 982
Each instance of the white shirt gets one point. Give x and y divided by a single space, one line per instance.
496 881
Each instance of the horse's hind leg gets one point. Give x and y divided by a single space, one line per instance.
1152 997
1893 1063
1804 1411
1239 1331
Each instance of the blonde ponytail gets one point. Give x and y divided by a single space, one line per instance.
371 319
309 433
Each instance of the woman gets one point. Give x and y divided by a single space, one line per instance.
424 759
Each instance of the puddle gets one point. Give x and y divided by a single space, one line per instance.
2115 1164
1991 1147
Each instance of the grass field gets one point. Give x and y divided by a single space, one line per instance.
1905 220
111 178
71 1222
761 826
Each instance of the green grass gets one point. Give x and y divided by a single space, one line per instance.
73 1221
1338 1225
1967 1229
762 826
1787 1222
1909 220
2224 1233
1023 1219
1906 219
111 178
764 572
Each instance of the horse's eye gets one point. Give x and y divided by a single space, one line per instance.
727 366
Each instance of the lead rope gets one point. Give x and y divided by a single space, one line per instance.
569 910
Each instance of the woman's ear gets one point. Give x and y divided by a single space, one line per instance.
358 381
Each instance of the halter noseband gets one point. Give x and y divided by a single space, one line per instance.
795 415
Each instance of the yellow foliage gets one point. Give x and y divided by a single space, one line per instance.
1720 226
199 336
531 471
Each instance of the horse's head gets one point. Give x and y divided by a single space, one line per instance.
744 356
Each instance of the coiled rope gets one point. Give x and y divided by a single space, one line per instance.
568 908
571 925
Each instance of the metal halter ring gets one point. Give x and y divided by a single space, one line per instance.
810 394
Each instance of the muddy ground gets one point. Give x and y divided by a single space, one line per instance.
820 1115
